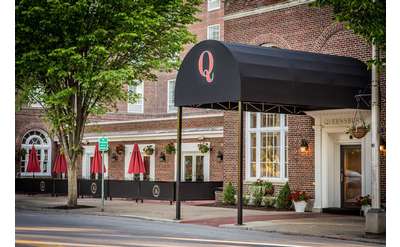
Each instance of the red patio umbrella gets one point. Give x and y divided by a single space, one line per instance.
60 165
33 162
95 166
136 165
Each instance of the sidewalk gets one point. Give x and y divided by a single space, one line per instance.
288 222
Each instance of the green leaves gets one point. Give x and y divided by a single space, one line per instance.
76 56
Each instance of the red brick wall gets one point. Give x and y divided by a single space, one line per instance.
298 28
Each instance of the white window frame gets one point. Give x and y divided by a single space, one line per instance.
212 26
42 148
258 130
128 152
209 5
88 151
170 108
139 89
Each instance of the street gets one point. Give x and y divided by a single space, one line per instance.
35 228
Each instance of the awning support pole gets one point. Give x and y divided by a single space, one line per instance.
240 170
178 163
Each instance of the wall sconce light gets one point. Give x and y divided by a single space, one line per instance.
119 149
303 146
220 156
114 156
382 146
162 157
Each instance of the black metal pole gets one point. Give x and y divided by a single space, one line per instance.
240 168
178 163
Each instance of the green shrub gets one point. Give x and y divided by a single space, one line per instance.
283 201
229 194
258 197
246 200
269 201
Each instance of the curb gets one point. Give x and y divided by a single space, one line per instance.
96 213
363 240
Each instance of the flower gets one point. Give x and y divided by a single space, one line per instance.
298 196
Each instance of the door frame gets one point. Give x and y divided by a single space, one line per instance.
342 147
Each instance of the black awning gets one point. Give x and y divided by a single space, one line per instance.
217 75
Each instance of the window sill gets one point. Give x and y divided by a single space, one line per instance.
281 181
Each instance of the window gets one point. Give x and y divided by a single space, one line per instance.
171 96
138 106
213 5
213 32
267 151
43 148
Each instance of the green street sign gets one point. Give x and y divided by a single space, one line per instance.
103 144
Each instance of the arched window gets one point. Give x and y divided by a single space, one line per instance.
42 144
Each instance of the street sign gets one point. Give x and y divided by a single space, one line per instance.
103 144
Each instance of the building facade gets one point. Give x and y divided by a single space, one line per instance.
333 170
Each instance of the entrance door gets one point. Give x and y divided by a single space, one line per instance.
193 168
351 177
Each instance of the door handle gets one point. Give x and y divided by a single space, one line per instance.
341 177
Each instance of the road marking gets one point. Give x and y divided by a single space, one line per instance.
61 243
57 229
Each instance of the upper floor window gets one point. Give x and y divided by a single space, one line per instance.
213 32
138 106
266 146
171 96
43 148
213 5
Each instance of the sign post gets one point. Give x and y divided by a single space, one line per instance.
103 147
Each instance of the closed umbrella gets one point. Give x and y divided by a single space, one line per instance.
60 165
33 162
136 165
95 166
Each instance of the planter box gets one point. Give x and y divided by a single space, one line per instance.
300 206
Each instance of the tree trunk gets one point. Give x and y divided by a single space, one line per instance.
72 185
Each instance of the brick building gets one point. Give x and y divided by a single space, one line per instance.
272 143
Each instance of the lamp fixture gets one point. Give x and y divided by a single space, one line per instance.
303 146
382 146
162 157
220 156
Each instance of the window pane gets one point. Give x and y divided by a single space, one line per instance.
199 168
137 106
171 96
253 120
272 155
213 4
253 153
213 32
188 168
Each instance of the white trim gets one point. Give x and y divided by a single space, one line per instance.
215 8
173 110
128 152
155 119
268 8
88 151
167 134
139 90
212 26
42 147
258 129
192 149
330 127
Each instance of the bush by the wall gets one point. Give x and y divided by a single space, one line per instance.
269 201
246 200
283 201
229 194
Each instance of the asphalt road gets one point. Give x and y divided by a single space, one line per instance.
66 229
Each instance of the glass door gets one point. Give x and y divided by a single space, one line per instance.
193 168
351 175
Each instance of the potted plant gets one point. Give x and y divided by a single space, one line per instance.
358 131
119 149
299 199
203 148
365 203
148 150
170 148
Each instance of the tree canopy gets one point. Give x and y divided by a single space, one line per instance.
75 56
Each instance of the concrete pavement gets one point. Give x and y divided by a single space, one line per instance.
288 222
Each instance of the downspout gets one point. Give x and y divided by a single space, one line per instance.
375 137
